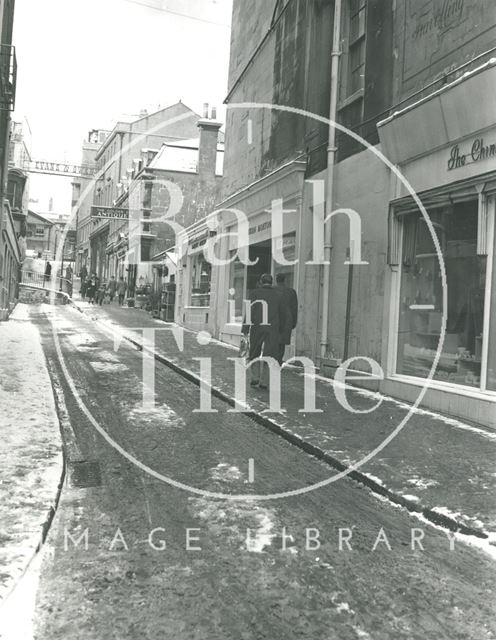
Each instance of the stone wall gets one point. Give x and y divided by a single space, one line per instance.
432 37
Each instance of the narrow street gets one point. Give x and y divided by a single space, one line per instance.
248 320
223 568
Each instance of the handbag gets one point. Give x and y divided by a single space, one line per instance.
244 347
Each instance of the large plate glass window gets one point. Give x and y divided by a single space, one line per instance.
237 286
201 275
421 296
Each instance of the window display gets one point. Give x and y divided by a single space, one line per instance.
421 296
491 341
237 284
201 275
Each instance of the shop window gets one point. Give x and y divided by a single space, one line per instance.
237 286
491 346
421 296
201 275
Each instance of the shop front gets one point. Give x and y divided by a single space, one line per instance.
234 281
195 281
444 310
98 252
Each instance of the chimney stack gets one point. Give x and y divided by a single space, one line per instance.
207 152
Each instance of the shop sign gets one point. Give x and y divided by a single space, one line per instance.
479 151
260 227
109 213
199 240
286 242
441 18
60 168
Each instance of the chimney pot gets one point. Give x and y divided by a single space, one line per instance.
214 113
205 109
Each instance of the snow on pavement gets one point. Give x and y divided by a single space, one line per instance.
30 455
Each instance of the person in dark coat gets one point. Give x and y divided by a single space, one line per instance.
100 294
111 288
83 274
121 290
48 271
264 327
92 288
291 302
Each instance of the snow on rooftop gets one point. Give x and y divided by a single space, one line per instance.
182 155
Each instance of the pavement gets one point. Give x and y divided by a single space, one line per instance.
436 464
148 542
31 464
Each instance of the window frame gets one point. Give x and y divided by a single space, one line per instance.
486 228
237 319
356 43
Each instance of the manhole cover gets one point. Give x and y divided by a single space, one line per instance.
85 474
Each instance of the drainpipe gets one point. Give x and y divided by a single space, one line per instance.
331 161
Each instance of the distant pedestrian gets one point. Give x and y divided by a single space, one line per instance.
291 303
111 289
268 315
48 271
121 290
100 294
83 274
92 288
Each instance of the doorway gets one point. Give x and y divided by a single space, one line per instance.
262 251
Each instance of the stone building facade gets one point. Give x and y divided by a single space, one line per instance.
408 72
10 253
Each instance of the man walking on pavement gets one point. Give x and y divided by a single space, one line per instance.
83 274
291 301
121 290
68 277
267 317
92 288
100 294
111 288
48 272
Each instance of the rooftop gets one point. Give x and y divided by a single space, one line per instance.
182 156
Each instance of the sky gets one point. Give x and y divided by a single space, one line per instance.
83 64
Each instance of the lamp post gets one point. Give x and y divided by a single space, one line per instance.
62 264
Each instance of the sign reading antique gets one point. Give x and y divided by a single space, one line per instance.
109 213
479 151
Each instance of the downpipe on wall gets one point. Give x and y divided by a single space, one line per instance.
331 161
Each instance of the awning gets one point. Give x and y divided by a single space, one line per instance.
441 119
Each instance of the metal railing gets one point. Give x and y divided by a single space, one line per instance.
50 282
8 77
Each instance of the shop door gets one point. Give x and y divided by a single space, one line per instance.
262 251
